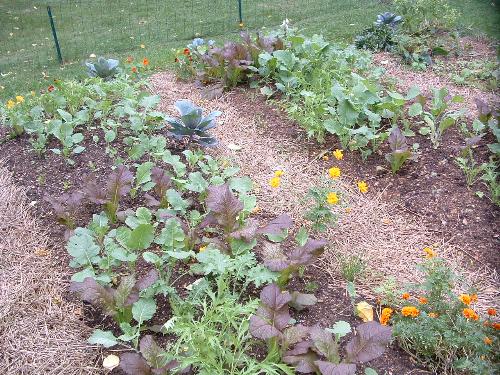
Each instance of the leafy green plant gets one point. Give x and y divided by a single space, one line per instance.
400 152
437 118
491 178
389 19
288 264
313 349
192 125
123 304
65 208
118 184
441 329
376 38
103 68
467 163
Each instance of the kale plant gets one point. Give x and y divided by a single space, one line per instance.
192 125
103 68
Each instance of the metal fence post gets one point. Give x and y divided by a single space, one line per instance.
240 13
54 34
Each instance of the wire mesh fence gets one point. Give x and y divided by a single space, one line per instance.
107 27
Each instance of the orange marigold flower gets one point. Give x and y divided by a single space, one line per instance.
186 52
429 253
470 314
492 312
496 326
465 298
487 341
432 315
51 88
134 69
325 157
422 300
405 296
385 316
410 311
473 297
145 62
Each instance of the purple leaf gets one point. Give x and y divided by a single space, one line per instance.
119 183
397 141
276 226
90 291
369 343
147 280
261 329
248 232
134 364
224 206
302 357
294 334
94 191
151 201
328 368
162 181
307 254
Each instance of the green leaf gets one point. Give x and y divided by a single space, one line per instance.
82 248
176 201
109 136
415 109
141 237
151 257
340 329
196 182
172 236
370 371
143 173
302 236
104 338
144 309
241 184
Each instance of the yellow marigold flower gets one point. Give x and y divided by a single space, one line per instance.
432 315
202 249
487 341
332 198
275 182
429 253
405 296
10 104
470 314
363 187
279 173
410 311
465 298
334 172
422 300
385 316
339 155
19 99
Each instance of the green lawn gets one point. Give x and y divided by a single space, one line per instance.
119 27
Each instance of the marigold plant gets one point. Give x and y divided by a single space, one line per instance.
275 182
410 311
338 154
334 172
363 187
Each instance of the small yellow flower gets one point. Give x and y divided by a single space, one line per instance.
363 187
429 253
11 104
19 99
339 155
334 172
279 173
332 198
202 249
275 182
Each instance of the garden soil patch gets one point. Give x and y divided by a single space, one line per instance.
40 332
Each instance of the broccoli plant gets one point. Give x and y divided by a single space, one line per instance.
400 152
103 68
313 349
119 184
192 125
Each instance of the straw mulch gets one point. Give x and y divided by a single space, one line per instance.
388 238
40 332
